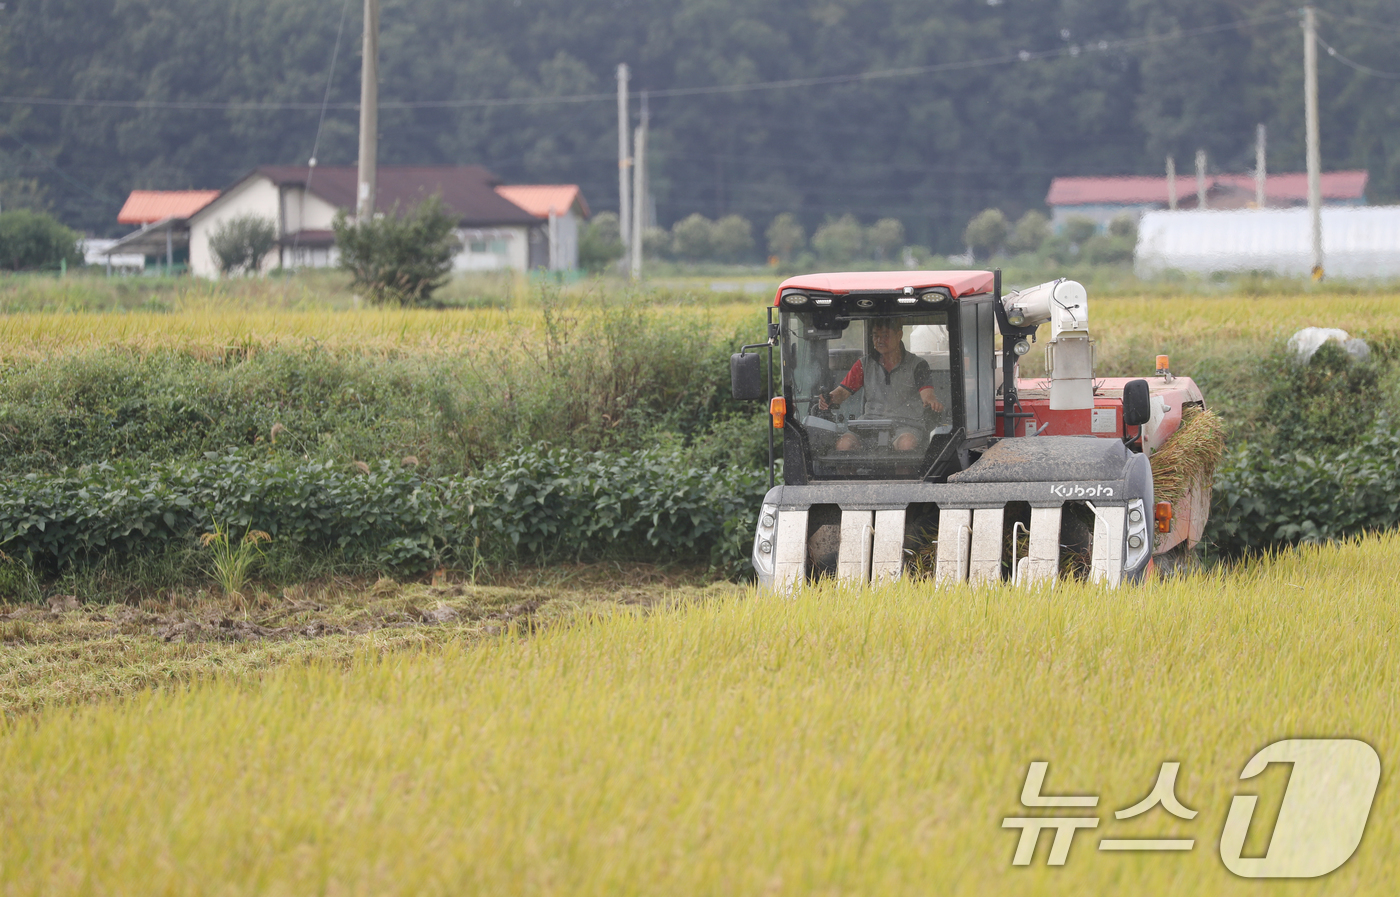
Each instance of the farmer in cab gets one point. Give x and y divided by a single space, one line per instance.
898 386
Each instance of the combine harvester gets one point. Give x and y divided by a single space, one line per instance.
910 446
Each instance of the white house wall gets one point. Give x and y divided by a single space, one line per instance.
255 196
504 248
1357 241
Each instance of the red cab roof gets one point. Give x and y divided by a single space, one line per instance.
959 283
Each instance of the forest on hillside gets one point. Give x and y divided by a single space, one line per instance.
922 110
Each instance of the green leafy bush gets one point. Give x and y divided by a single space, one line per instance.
600 242
399 258
31 240
532 505
241 243
1265 500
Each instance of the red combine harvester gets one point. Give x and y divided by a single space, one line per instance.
909 441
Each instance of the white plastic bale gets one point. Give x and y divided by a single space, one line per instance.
853 559
954 543
790 550
1109 533
984 564
887 554
1043 556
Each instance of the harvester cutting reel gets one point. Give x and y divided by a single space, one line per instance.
1030 510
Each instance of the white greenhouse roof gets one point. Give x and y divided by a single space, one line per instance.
1357 241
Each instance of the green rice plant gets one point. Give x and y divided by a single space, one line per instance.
233 560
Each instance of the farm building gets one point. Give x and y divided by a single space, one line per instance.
495 232
163 236
1101 199
562 209
1358 242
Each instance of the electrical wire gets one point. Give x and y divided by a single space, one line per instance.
320 122
1364 69
1073 50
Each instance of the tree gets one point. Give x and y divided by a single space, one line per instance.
241 244
839 241
31 240
1078 229
732 238
400 259
600 242
692 238
656 242
786 237
886 238
1030 232
986 233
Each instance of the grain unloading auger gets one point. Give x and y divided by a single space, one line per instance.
908 442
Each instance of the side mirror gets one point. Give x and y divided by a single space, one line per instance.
1137 403
746 377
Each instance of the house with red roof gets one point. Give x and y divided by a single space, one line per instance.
1101 199
162 217
496 233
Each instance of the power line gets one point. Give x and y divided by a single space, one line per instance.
1073 50
1352 20
1364 69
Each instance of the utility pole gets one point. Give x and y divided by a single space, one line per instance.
624 162
1171 183
1314 151
369 114
1261 139
639 190
1200 179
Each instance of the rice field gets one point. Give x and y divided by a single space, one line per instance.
836 741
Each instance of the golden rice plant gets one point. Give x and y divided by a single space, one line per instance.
839 740
233 560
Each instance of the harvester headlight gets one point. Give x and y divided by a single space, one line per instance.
1016 316
765 546
1135 541
795 299
768 521
1135 516
1021 347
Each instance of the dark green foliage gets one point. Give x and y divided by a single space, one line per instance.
399 258
600 243
931 149
1327 404
1324 460
33 241
1266 500
533 505
241 244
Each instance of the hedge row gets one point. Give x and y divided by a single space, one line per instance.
530 506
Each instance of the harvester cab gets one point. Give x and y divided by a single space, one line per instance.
909 443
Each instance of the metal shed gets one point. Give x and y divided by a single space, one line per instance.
1357 242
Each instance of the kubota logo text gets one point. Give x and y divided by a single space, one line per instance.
1076 490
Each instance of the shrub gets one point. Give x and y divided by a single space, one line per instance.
839 241
1030 232
399 259
986 233
533 505
241 243
886 238
693 238
656 243
786 237
600 242
732 238
31 240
